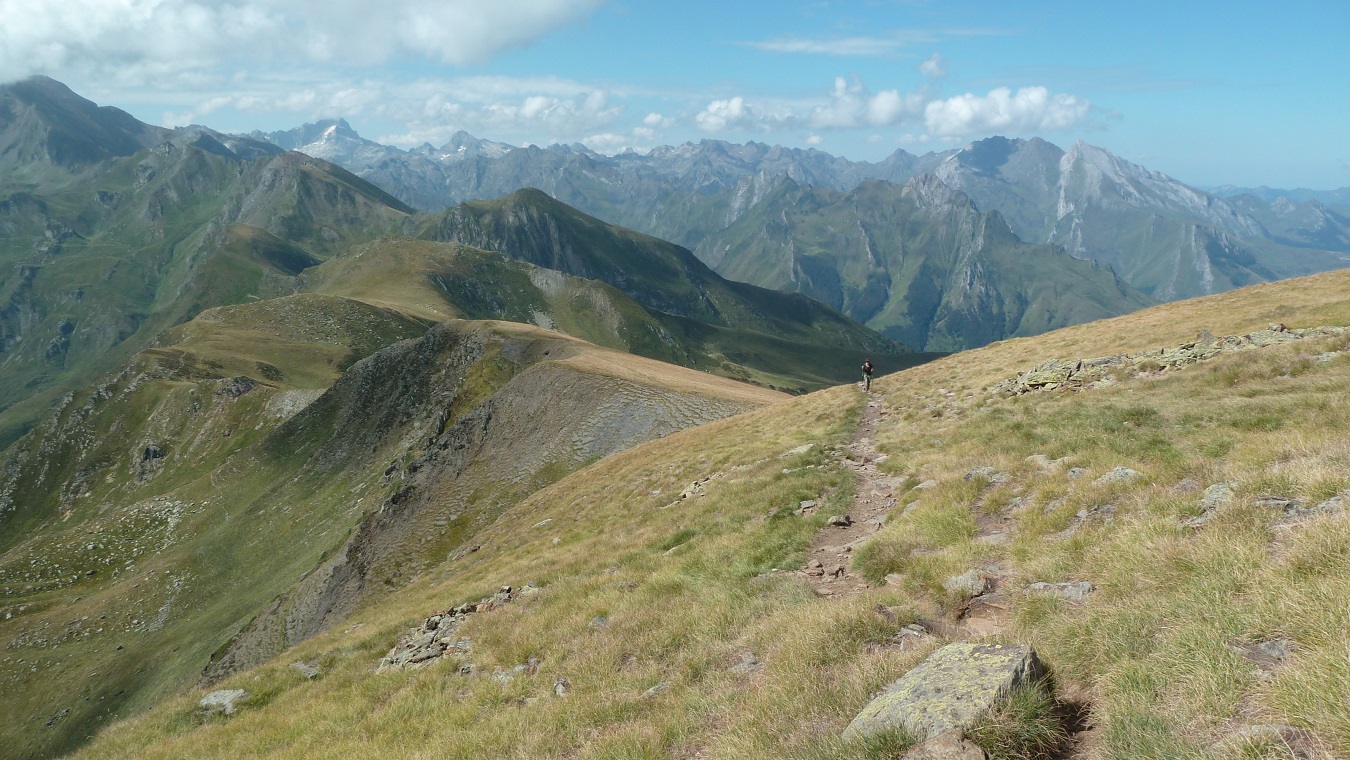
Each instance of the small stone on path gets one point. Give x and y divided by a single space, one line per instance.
1119 475
948 745
968 584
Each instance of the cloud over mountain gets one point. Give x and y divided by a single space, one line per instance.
851 105
148 36
1029 110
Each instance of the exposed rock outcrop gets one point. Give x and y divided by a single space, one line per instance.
1087 372
951 689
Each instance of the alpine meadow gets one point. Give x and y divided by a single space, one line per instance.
647 424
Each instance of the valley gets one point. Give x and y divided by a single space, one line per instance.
311 446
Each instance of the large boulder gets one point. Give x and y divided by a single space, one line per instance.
951 689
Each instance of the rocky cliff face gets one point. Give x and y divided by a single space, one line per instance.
919 263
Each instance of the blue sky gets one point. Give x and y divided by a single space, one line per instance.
1238 92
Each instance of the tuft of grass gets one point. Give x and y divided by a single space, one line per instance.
679 537
1025 726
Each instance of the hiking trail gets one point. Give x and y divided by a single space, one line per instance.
828 559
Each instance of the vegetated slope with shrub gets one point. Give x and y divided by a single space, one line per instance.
669 619
216 500
434 280
662 276
112 230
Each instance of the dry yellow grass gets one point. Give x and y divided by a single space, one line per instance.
639 588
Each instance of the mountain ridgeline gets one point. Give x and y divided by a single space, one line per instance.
919 263
112 231
260 416
531 226
1162 237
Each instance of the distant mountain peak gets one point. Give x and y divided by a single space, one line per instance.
43 122
930 193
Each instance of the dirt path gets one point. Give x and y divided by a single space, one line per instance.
984 615
827 561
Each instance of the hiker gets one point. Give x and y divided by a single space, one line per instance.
867 375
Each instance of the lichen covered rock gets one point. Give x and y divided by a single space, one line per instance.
951 689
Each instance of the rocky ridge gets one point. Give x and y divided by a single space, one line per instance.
1072 375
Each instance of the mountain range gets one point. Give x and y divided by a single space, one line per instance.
105 243
1162 237
264 420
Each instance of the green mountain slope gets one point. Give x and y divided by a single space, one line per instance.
533 227
667 619
447 280
918 263
48 133
91 271
215 500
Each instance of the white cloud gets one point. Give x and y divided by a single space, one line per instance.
814 139
864 46
640 140
143 38
724 115
538 118
1029 110
934 68
842 46
657 121
852 105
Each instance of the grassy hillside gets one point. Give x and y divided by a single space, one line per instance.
662 276
669 619
436 281
161 522
92 271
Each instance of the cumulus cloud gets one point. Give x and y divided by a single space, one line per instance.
724 115
934 67
864 45
145 37
539 117
1030 109
814 139
853 105
639 140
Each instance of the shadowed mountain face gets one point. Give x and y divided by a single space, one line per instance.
45 127
93 268
531 226
920 264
